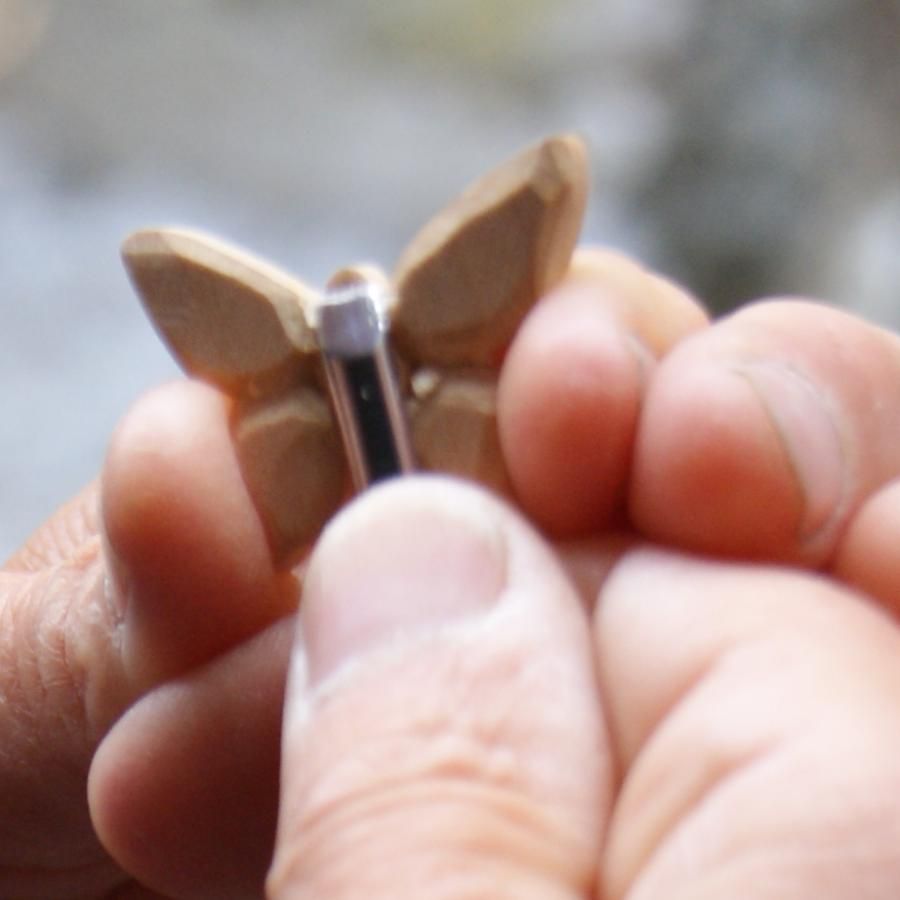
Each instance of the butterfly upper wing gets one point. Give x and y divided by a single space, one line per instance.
465 284
240 323
226 316
469 277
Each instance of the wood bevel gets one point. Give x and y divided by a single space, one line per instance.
226 316
291 460
454 429
469 277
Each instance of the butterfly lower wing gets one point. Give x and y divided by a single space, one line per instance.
293 466
454 429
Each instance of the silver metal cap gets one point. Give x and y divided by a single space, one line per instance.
351 320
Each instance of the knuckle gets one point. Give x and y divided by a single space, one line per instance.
51 627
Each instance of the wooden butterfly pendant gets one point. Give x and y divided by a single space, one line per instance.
462 288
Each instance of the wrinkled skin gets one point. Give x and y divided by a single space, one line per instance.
674 671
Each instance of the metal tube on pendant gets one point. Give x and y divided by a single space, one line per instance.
353 338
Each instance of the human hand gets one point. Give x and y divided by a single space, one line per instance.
143 644
458 727
183 786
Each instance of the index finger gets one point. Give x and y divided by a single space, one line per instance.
573 383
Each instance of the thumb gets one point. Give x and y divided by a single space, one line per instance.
443 731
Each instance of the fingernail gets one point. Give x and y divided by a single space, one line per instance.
416 553
806 429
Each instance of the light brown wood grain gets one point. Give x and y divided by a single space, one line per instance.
226 316
454 429
293 466
472 273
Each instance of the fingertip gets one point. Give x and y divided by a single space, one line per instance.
189 559
183 790
572 383
568 402
412 554
653 306
152 467
760 437
709 474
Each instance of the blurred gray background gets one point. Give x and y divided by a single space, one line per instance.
748 148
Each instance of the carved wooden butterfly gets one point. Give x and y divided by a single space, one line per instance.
462 288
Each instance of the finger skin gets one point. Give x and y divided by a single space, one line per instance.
867 556
63 536
183 791
193 763
572 384
757 714
449 739
761 436
89 622
57 686
193 571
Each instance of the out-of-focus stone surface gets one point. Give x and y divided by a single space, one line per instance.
748 148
